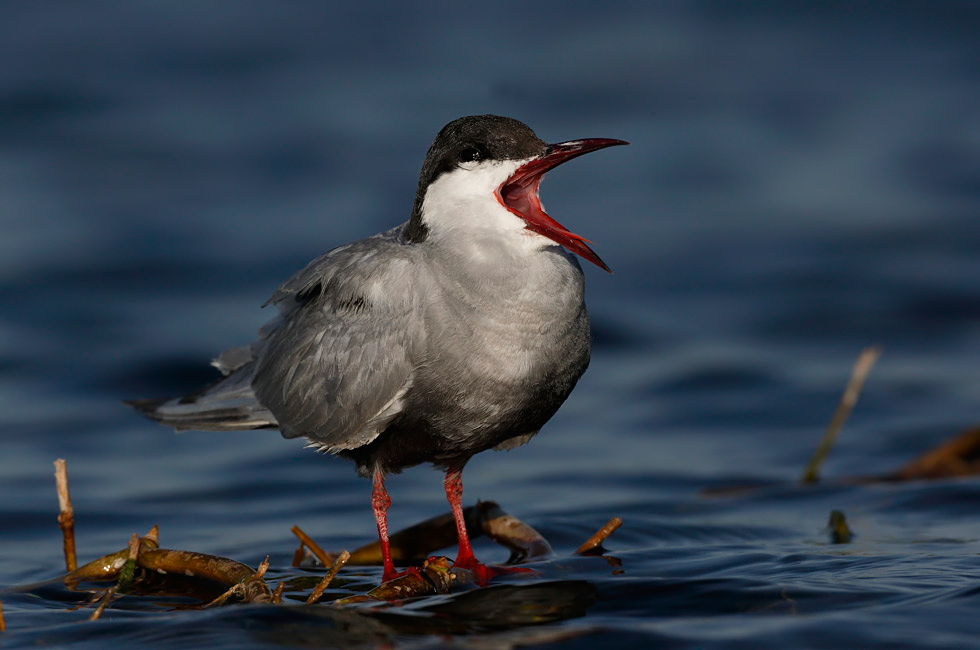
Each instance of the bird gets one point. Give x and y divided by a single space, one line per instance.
461 330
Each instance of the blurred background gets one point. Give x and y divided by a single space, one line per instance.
803 181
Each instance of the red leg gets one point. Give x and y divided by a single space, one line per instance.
454 493
380 502
465 558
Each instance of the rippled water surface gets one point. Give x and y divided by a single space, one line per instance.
803 181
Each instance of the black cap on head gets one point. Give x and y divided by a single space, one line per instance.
470 139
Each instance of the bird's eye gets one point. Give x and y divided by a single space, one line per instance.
471 154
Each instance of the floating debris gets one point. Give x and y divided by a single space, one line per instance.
840 532
140 567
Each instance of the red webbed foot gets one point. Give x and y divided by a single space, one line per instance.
394 575
484 573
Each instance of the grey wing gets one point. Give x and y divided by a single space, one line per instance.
340 264
336 364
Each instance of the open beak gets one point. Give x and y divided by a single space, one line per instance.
519 194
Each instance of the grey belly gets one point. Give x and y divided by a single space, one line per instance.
464 404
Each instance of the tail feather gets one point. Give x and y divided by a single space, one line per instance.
227 405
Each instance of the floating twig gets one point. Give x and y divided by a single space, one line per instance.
326 559
338 564
66 514
859 373
260 572
104 601
593 545
277 594
242 590
220 600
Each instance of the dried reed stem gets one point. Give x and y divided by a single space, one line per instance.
325 558
107 597
277 594
66 516
327 579
866 360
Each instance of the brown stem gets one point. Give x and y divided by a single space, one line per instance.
593 545
66 515
104 601
326 559
328 578
277 594
866 360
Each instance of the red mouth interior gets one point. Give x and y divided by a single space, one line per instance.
519 194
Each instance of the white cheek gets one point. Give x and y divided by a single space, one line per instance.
464 199
463 213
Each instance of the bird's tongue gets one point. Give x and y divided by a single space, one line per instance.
519 194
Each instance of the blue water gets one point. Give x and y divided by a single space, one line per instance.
803 181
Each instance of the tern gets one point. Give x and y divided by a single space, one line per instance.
461 330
